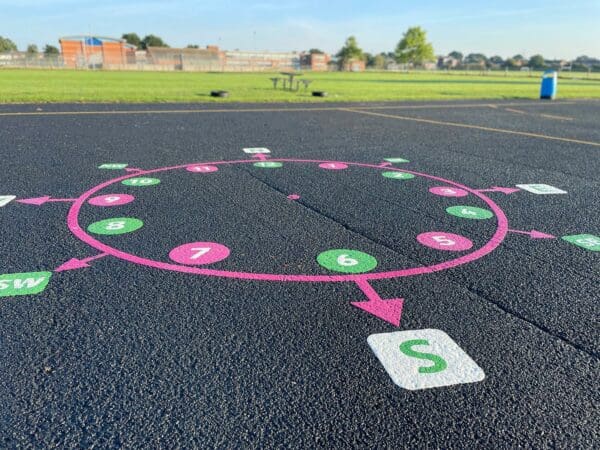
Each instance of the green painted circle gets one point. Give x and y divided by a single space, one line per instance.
470 212
115 225
140 181
396 160
398 175
347 261
268 164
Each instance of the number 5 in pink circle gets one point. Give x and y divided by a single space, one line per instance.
198 253
440 240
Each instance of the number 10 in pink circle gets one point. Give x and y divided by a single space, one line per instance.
198 253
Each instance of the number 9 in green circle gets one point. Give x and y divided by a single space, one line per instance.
116 225
347 261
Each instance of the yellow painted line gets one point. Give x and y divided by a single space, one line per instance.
159 111
475 127
551 116
518 111
547 116
260 110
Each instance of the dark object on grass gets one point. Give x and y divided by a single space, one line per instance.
221 94
319 94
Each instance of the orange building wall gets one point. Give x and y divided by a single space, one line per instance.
75 52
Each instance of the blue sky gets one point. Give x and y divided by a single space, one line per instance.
554 28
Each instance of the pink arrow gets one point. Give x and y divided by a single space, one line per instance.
260 156
133 169
41 200
293 196
534 234
389 310
75 263
504 190
385 164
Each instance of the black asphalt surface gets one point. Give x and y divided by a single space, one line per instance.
119 355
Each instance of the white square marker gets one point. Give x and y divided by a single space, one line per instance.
423 359
541 189
256 150
6 199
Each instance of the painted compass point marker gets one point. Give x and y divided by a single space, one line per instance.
140 181
347 261
396 160
470 212
202 168
115 225
268 164
446 191
398 175
333 166
441 240
111 200
197 253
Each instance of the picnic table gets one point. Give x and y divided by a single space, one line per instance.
290 81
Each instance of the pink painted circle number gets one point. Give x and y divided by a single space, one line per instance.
111 200
333 166
440 240
202 168
198 253
447 191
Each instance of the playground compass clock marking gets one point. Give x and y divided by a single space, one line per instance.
344 265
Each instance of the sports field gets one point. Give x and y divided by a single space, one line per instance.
41 86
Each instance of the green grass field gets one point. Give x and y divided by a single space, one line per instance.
38 86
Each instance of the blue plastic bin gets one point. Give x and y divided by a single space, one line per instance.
549 84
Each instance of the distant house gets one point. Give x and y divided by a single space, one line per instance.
354 65
447 62
317 62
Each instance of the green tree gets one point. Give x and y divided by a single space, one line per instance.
32 49
192 46
349 51
380 61
456 55
50 50
496 60
6 45
152 41
475 58
132 38
316 51
537 62
414 48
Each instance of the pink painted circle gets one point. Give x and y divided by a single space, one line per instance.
111 200
488 247
201 168
198 253
441 240
333 166
446 191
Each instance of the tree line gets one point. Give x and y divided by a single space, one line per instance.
413 48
